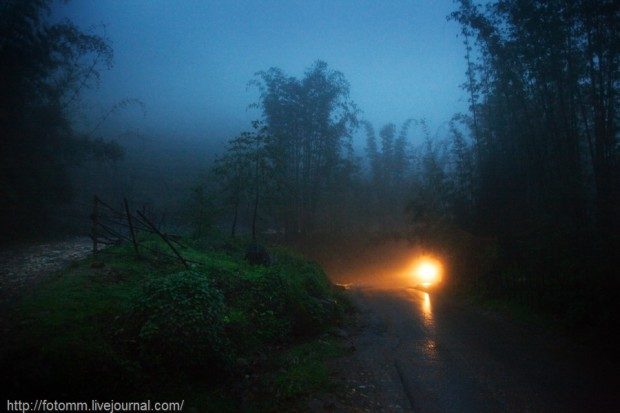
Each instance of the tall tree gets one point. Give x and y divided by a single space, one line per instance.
44 68
543 79
372 152
309 122
548 78
463 173
389 167
244 173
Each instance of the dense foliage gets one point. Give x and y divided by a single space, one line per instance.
543 86
44 68
164 330
309 123
180 311
543 98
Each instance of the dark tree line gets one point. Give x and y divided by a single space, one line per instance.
389 164
44 68
543 102
540 169
543 96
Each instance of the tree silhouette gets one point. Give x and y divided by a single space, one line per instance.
309 122
44 68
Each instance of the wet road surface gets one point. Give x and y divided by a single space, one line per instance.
429 354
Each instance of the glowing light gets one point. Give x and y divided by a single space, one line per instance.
427 310
428 271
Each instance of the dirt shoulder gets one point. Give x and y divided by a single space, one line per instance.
366 379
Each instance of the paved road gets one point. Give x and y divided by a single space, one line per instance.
446 357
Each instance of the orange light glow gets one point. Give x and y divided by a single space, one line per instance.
428 271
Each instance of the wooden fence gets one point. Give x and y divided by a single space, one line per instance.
112 226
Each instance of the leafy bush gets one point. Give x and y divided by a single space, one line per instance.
303 294
181 324
291 298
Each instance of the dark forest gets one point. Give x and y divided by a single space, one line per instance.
248 269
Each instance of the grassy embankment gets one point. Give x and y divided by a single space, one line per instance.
223 335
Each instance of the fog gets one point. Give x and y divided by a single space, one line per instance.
488 139
190 62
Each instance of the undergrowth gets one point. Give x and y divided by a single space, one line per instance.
120 325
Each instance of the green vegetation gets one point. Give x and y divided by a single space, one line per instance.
305 372
215 335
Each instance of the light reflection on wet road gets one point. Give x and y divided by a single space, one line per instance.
426 310
430 353
453 358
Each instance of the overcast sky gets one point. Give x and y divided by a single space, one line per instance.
190 61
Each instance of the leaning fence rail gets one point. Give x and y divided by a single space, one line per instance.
110 226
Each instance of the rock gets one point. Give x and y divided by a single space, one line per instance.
257 255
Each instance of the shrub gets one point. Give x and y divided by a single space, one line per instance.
304 295
291 298
180 324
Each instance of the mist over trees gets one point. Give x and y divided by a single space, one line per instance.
158 257
390 163
244 174
521 192
299 156
44 68
309 122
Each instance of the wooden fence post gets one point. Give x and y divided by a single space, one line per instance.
133 233
94 218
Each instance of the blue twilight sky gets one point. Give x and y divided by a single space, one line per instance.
190 61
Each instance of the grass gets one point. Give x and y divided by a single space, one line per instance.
303 369
138 327
295 374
